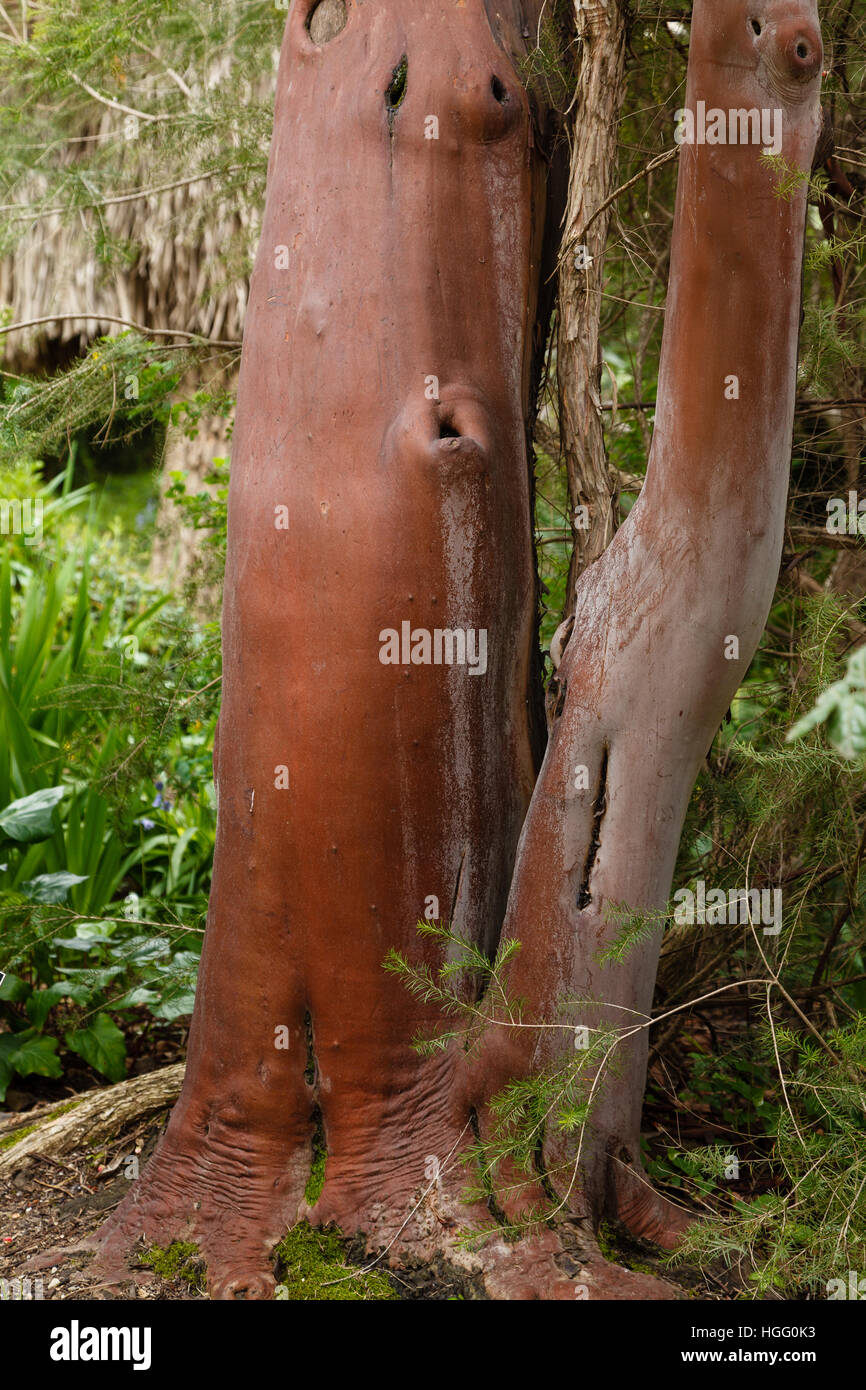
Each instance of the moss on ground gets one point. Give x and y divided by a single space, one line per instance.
616 1245
180 1261
312 1268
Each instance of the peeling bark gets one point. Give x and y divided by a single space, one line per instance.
601 32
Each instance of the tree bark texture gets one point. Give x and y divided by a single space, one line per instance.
380 485
602 32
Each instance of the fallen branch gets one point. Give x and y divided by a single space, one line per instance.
94 1116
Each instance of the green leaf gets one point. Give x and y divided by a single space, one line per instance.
174 1006
80 943
139 995
42 1001
33 817
13 990
51 888
141 948
28 1053
102 1045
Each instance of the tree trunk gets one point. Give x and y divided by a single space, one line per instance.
592 493
650 667
385 388
383 400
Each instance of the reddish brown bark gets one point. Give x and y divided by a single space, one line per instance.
644 682
385 387
410 259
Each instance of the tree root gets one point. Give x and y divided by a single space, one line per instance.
194 1189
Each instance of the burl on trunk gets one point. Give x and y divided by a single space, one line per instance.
377 744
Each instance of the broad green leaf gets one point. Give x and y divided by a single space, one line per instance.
139 995
51 888
174 1006
80 943
42 1001
102 1045
28 1053
33 817
14 990
95 978
141 948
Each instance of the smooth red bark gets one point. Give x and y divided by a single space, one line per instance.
386 384
384 393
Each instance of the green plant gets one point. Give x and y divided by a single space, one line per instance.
103 885
809 1227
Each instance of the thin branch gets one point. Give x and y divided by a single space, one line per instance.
126 323
802 407
175 76
5 15
118 105
657 163
125 197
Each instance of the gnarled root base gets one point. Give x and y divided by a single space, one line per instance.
238 1210
236 1205
644 1213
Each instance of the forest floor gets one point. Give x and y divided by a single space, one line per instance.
54 1203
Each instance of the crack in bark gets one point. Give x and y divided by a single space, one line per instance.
555 698
396 89
496 1211
311 1070
584 896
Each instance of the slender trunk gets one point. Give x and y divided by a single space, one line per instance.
650 668
601 29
